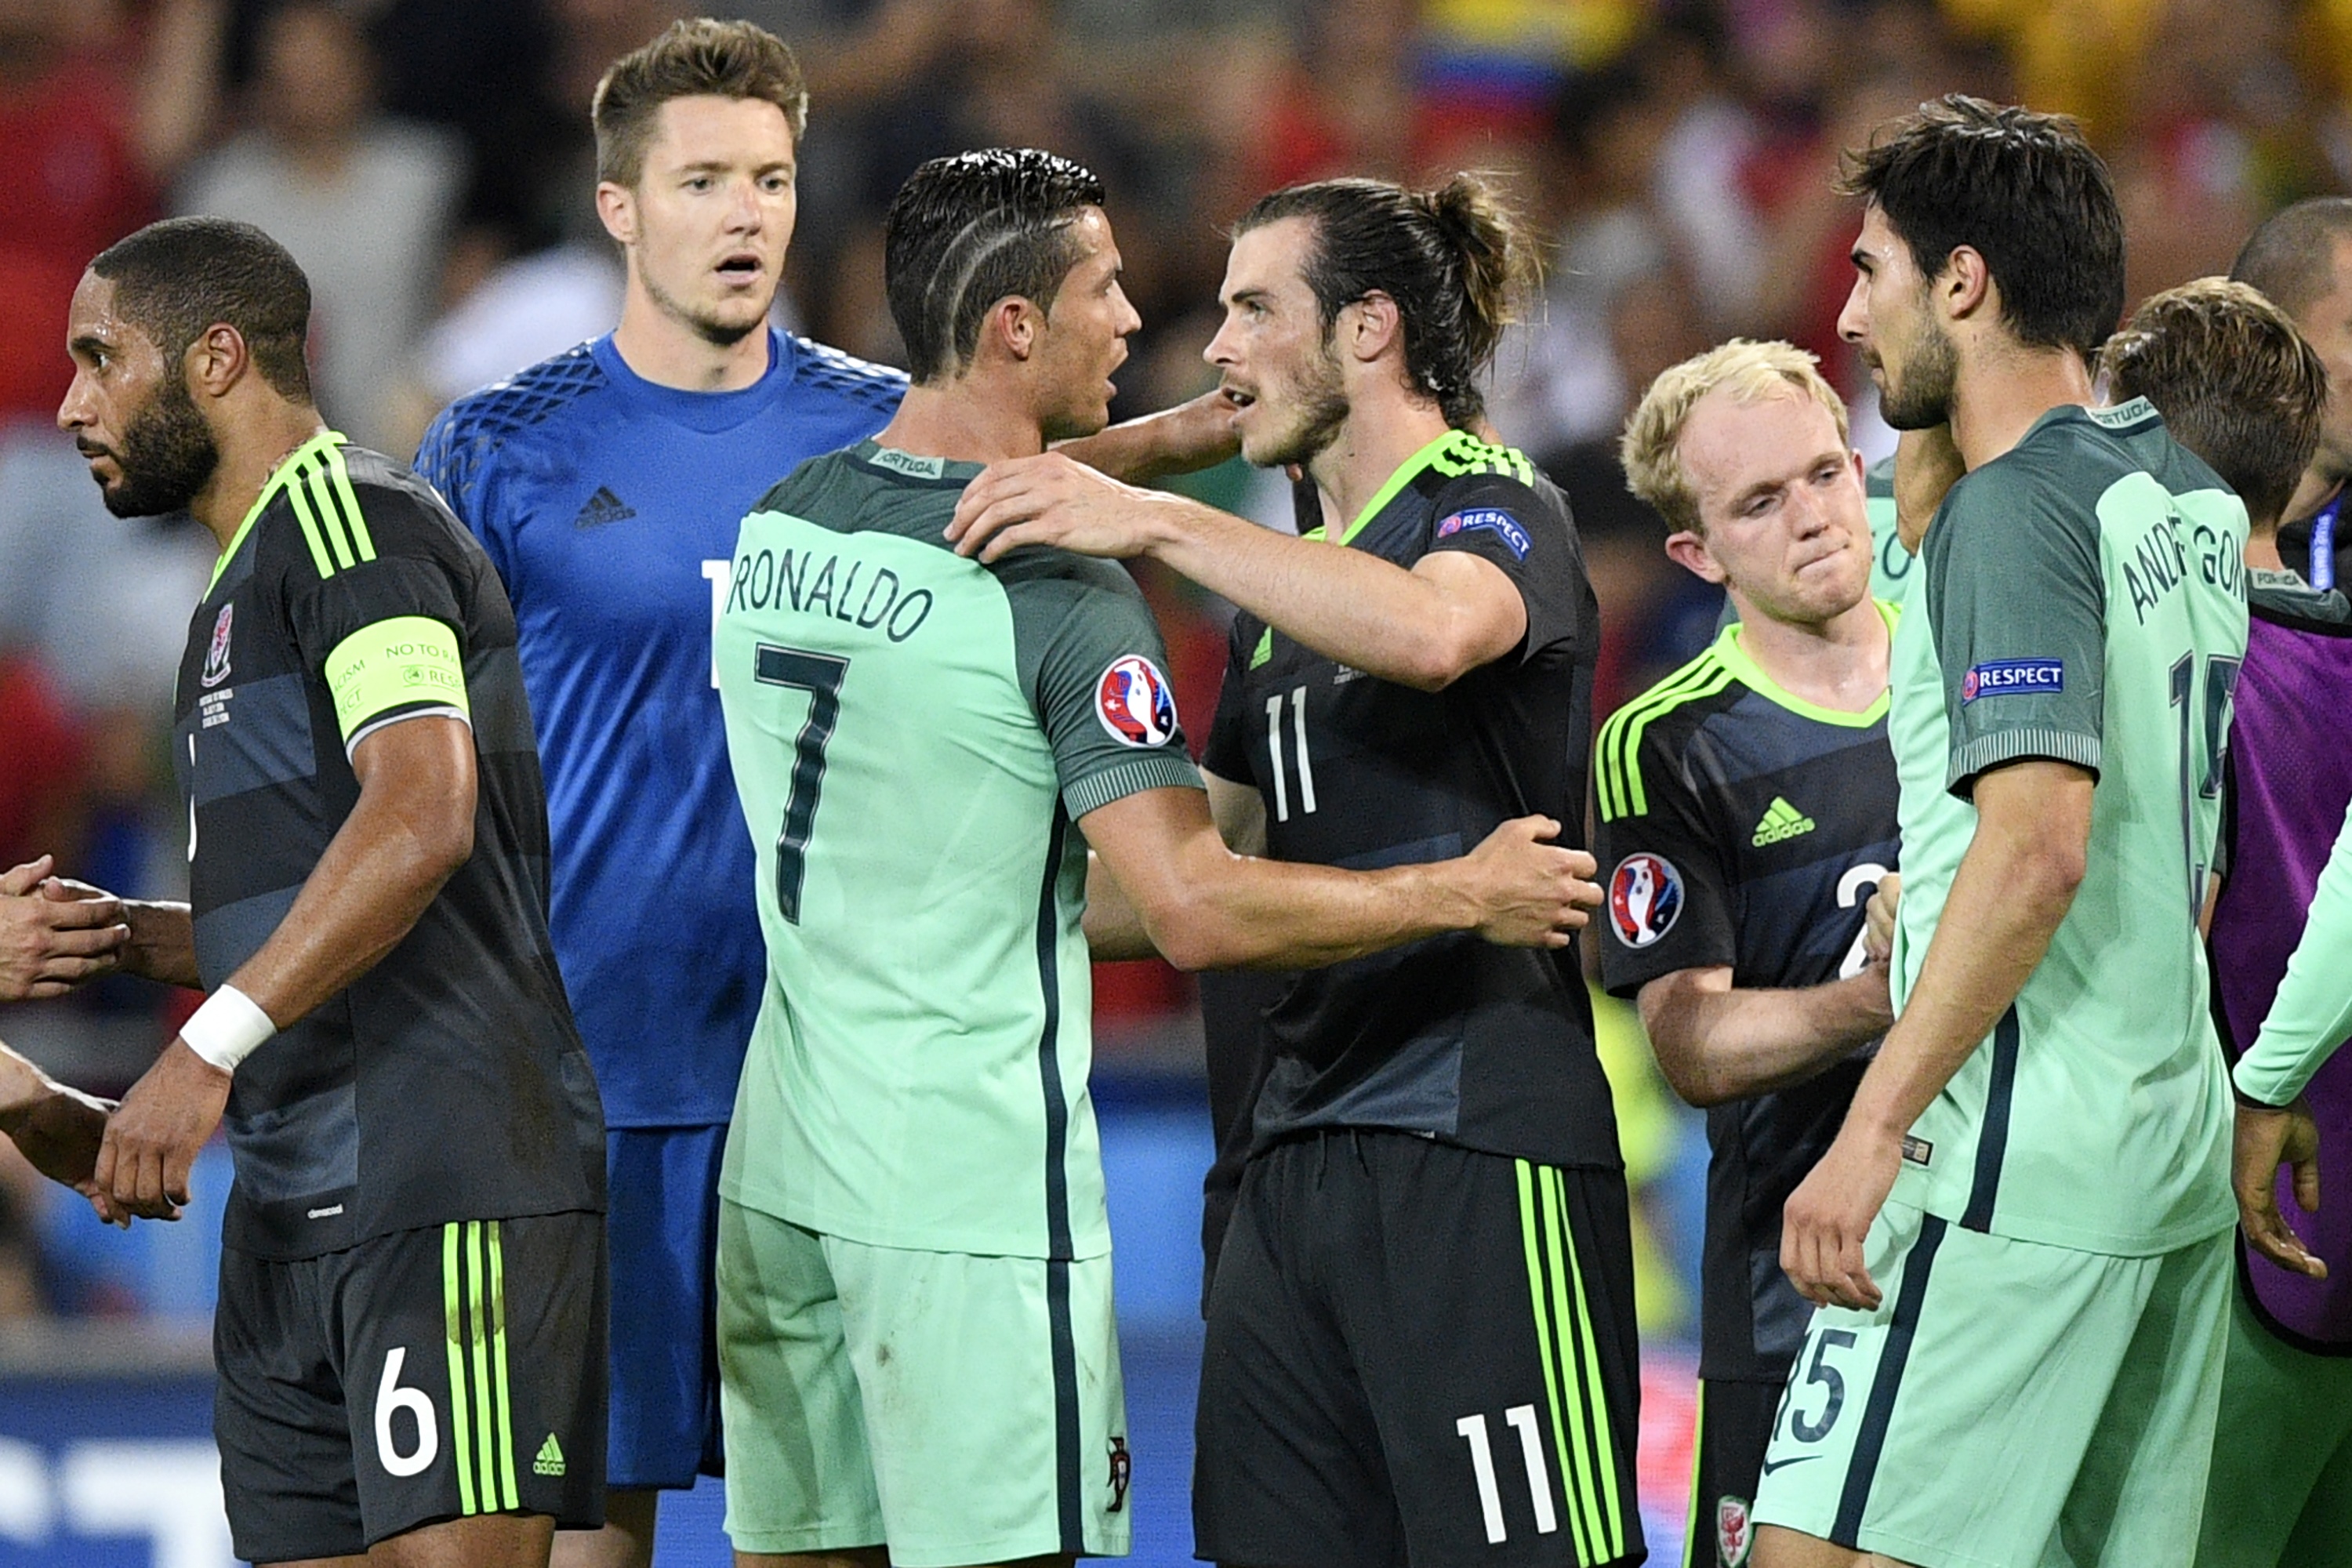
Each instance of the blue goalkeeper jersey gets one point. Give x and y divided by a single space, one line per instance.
610 506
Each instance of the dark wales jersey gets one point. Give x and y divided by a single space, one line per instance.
1741 826
1486 1047
447 1083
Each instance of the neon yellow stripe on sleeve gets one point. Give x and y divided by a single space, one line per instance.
393 663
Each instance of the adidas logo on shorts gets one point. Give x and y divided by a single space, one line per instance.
551 1458
1782 821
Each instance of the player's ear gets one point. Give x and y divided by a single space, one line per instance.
1016 323
1966 284
616 209
216 362
1687 549
1368 326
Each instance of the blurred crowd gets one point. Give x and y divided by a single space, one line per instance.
429 164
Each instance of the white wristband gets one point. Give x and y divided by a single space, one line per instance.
227 1028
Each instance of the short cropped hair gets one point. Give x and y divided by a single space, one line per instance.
969 230
2291 257
1452 258
2236 384
1651 449
176 279
2024 191
689 60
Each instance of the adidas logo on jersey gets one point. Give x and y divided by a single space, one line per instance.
1782 821
551 1458
602 508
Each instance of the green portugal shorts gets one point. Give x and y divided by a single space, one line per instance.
960 1409
2008 1405
2280 1492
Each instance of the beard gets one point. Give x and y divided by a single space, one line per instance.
1923 399
167 455
703 324
1323 408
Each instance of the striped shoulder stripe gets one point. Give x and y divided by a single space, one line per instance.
482 1415
1468 455
1617 779
328 509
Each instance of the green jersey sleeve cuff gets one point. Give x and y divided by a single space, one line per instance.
1097 790
2034 741
403 668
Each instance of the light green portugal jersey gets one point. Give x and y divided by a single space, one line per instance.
914 735
2079 598
1890 564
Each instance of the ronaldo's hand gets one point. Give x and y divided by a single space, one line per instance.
2267 1138
152 1141
1825 1220
1527 891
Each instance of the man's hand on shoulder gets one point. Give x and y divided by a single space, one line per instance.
1527 891
153 1140
1053 499
55 933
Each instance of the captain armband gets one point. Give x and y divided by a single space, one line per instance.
402 668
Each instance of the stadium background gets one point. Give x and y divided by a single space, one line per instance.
427 162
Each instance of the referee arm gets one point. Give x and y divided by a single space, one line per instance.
1717 1042
412 827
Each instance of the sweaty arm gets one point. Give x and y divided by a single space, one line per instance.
1115 929
2013 887
412 827
1204 907
1717 1042
1425 628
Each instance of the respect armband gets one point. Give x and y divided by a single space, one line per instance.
395 668
229 1028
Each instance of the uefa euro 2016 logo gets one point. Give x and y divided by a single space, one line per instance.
1645 895
1134 703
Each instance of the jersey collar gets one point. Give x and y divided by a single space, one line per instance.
279 478
1406 473
1745 671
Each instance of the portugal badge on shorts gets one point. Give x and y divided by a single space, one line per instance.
215 669
1645 895
1122 1464
1134 703
1735 1532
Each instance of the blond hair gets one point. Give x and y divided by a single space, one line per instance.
1651 449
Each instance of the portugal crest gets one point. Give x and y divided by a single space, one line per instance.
216 659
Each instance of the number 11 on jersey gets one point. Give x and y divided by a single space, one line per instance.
1273 706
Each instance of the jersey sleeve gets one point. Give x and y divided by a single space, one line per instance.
1096 673
2018 609
1669 898
1227 754
1526 534
452 459
374 600
2312 1013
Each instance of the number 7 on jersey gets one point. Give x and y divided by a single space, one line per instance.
820 675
